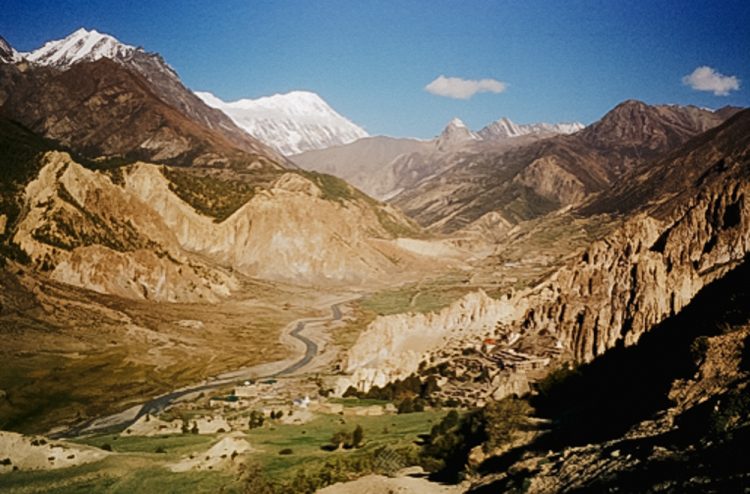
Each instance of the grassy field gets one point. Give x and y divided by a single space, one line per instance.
306 440
115 475
138 467
93 355
358 402
426 296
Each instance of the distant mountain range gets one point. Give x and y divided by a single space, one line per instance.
529 180
505 127
292 123
383 166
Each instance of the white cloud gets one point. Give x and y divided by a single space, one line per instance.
708 79
457 88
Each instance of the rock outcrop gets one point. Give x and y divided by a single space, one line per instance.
289 231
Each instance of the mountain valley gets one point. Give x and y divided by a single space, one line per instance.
259 296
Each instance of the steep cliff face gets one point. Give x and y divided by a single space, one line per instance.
393 346
638 418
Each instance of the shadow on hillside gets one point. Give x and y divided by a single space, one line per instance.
601 400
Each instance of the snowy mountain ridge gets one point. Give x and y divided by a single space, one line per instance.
81 45
505 128
294 122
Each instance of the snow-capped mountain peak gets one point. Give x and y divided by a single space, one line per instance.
456 122
454 134
7 53
81 45
504 127
293 122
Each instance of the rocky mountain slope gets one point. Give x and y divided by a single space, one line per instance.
529 181
691 231
89 46
7 53
685 233
292 123
455 134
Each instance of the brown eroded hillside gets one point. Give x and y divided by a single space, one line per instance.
101 109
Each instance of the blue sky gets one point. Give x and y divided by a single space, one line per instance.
371 60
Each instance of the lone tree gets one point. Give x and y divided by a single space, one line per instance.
357 436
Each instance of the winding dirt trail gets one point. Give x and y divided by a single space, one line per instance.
155 405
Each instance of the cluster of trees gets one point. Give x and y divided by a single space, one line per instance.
186 429
347 440
257 419
445 451
409 394
447 447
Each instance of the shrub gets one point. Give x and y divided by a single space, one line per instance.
286 451
341 438
698 349
351 392
503 418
